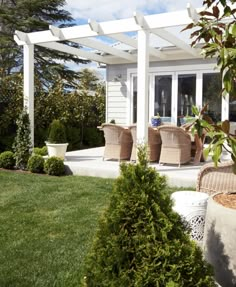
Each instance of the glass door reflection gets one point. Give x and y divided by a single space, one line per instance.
163 90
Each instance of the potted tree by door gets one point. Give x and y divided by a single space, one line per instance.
57 143
215 30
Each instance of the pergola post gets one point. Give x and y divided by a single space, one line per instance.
29 86
142 97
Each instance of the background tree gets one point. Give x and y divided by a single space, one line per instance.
30 16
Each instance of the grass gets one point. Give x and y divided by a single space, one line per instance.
46 227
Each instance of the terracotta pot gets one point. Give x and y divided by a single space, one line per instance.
219 242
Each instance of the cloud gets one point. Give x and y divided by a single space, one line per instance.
104 10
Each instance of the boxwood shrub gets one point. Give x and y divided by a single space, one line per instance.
54 166
36 164
41 151
7 160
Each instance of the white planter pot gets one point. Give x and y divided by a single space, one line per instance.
58 150
191 205
219 245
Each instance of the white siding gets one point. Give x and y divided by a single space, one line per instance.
118 86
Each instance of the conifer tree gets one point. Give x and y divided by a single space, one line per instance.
22 144
140 240
30 16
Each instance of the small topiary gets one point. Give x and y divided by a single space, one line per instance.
7 160
57 132
40 151
54 166
36 164
141 241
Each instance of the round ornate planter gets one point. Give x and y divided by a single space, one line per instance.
219 242
191 205
58 150
155 122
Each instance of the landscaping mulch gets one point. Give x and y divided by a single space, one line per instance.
226 199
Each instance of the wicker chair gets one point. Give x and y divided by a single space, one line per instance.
213 179
176 145
154 144
118 142
197 144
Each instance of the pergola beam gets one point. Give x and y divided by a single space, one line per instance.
94 26
192 12
111 27
105 48
133 43
75 51
140 20
171 38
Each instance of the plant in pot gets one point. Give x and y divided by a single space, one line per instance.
215 28
57 143
156 120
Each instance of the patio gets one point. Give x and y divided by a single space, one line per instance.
89 162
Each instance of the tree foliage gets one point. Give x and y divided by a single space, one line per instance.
30 16
141 241
218 133
216 28
77 110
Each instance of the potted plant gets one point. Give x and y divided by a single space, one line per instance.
57 143
156 120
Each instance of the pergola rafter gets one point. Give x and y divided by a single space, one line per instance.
140 50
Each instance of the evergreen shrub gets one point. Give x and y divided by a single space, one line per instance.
93 137
36 163
40 151
7 160
57 133
22 144
74 138
54 166
140 240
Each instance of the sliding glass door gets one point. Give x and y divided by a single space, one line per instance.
211 95
162 95
186 94
172 95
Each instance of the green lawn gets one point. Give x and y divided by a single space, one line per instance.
46 227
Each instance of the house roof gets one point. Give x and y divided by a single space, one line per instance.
166 39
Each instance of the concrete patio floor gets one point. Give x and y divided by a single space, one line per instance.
89 162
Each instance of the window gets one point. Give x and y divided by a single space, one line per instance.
163 92
186 94
135 89
211 95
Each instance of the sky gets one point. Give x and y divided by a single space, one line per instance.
106 10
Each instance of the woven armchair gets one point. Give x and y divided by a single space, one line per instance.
118 142
213 179
176 145
154 144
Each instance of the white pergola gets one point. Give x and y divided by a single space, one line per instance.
86 36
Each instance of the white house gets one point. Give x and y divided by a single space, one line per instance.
151 69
